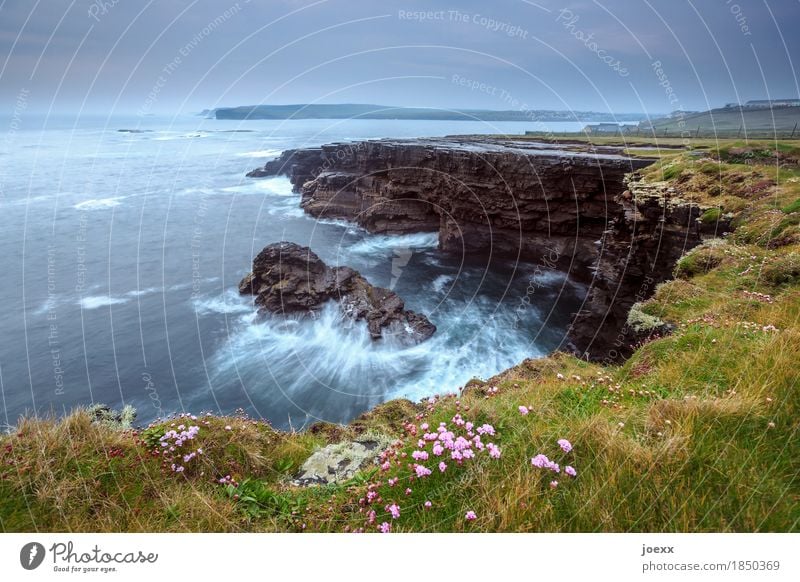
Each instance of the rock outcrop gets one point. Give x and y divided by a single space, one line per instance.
341 461
289 278
562 205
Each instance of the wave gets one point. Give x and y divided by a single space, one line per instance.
439 283
277 186
99 203
260 154
229 302
386 244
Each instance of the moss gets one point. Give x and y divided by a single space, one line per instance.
701 259
711 216
782 270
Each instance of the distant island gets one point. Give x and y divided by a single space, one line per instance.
365 111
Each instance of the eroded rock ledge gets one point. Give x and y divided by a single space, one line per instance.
289 278
513 198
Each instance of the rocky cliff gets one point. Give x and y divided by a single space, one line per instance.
560 204
289 278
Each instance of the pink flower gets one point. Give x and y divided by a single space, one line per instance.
565 445
428 505
394 509
442 466
422 471
570 470
438 449
408 490
553 484
386 466
424 426
494 450
371 517
385 527
419 456
523 410
486 429
541 461
468 426
470 516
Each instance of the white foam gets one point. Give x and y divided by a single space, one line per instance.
99 203
97 301
260 154
439 283
226 303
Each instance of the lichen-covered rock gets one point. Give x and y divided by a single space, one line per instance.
341 461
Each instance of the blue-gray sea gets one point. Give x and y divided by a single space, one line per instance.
121 253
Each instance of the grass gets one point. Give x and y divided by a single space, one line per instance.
697 431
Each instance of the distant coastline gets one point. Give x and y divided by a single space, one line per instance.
366 111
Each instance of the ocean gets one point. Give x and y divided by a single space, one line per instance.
122 252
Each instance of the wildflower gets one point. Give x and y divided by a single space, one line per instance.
494 450
385 527
486 429
470 516
438 449
419 456
228 427
565 445
408 490
423 426
560 376
428 505
523 410
394 509
442 466
553 484
570 470
468 426
541 461
371 517
422 471
392 482
770 424
386 466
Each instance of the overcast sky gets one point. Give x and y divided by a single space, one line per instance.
170 56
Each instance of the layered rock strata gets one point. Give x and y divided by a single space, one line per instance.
567 206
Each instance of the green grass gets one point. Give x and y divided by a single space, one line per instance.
697 431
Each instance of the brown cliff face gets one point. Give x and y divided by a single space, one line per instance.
509 198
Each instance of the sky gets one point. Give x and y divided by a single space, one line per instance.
182 56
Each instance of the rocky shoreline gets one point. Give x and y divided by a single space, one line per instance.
289 278
577 207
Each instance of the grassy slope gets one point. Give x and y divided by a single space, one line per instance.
696 432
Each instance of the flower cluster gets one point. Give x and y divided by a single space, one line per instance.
175 453
438 449
541 461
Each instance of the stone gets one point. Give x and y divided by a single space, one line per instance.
341 461
290 278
